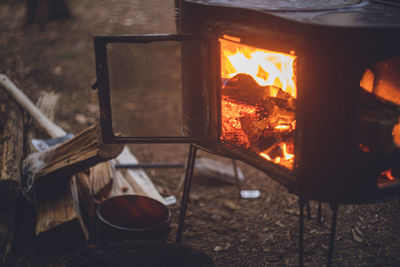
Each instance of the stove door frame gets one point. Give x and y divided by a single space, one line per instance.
103 86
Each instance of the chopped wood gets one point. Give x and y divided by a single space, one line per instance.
11 149
137 179
59 218
75 155
94 186
97 182
121 186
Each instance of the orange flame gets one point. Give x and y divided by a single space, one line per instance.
268 68
388 174
265 66
286 159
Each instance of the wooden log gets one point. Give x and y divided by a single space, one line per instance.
94 186
243 88
137 179
121 186
378 118
75 155
11 148
59 222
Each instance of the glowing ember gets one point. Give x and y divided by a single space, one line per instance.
258 100
388 174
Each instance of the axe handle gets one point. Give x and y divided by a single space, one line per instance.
50 127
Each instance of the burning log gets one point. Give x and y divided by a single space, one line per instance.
274 116
272 124
11 148
65 159
243 88
378 121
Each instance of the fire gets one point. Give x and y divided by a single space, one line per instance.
287 159
258 100
388 174
265 66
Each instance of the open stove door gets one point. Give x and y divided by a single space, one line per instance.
140 89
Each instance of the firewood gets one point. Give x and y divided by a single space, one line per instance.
121 186
243 88
262 129
11 149
94 186
77 154
378 117
137 179
59 220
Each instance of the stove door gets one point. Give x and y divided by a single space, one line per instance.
140 90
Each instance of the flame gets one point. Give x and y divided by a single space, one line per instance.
388 174
268 68
286 159
265 66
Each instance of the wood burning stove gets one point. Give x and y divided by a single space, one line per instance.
308 92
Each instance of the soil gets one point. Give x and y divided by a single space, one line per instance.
58 56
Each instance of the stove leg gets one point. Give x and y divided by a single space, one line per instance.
301 231
235 171
186 191
319 212
334 208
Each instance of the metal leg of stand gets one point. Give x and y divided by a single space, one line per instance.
319 212
235 171
301 231
308 210
186 191
334 208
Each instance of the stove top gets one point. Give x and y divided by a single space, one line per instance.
339 13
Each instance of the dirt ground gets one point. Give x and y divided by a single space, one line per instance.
59 57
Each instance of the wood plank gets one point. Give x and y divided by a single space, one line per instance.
11 149
138 180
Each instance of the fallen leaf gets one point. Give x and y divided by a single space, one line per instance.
358 235
218 248
230 205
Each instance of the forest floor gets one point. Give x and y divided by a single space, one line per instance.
59 57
